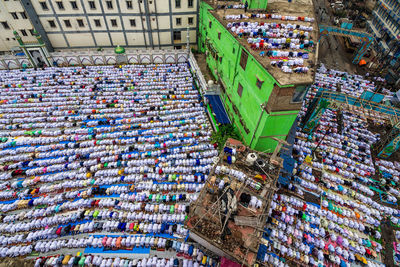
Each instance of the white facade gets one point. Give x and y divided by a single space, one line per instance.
14 18
93 24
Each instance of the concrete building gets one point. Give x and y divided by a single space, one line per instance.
385 26
13 17
83 24
261 99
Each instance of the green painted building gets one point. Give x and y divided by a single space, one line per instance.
259 104
256 4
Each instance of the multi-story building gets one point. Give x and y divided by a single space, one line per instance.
13 17
264 64
93 24
385 26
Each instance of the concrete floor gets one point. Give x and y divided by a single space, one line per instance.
331 51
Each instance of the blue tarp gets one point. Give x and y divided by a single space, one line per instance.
286 155
218 109
90 250
371 96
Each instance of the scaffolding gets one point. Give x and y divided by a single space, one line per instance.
235 234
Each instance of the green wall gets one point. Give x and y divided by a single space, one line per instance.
256 4
275 126
226 61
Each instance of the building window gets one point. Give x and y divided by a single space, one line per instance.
97 23
299 94
133 22
190 20
92 5
74 5
5 25
32 32
23 15
44 5
177 3
114 23
109 4
177 36
14 15
210 24
60 5
259 83
23 32
243 59
190 3
80 23
233 51
67 23
219 36
178 21
52 23
240 90
129 5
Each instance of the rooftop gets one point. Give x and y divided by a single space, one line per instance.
231 211
229 17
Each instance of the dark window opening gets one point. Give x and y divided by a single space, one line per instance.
190 21
177 36
243 59
80 22
178 21
44 5
114 23
259 83
133 22
240 90
23 15
52 23
23 32
129 5
92 5
67 23
60 5
97 23
14 15
177 3
74 5
299 93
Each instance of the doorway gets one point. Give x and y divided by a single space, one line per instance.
37 58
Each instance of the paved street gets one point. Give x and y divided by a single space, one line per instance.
331 50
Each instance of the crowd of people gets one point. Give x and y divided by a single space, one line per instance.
339 196
350 84
101 149
285 44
